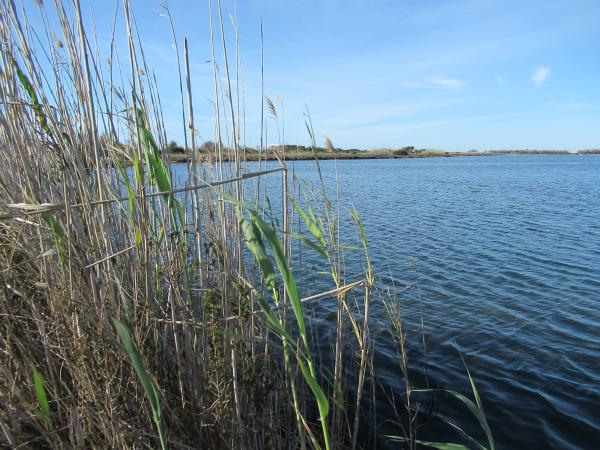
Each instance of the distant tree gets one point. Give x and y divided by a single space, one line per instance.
173 147
404 151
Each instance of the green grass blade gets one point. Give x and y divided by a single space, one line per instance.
129 189
42 398
311 223
322 402
137 168
159 174
478 413
284 269
312 244
481 417
130 350
37 107
256 246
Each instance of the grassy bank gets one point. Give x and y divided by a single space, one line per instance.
292 154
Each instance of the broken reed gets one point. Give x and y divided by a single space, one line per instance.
131 313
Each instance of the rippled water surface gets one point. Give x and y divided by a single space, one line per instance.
505 256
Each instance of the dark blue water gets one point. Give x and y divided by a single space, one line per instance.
505 252
503 258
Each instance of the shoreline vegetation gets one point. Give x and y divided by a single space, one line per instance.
178 154
140 313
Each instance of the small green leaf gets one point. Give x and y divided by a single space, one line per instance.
42 397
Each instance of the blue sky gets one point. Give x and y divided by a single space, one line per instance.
454 75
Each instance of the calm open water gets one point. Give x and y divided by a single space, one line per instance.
505 256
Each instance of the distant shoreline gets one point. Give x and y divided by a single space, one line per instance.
309 155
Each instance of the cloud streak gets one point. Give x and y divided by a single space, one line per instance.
444 83
435 82
540 75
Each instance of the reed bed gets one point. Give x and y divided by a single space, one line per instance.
136 312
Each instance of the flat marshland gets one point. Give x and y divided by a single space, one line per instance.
300 153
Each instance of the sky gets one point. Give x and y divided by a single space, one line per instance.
452 75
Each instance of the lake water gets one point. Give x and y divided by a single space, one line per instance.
503 254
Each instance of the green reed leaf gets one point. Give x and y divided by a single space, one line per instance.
130 350
42 398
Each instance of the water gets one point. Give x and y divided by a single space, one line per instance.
505 256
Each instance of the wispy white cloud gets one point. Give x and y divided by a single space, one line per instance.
540 75
444 83
434 82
